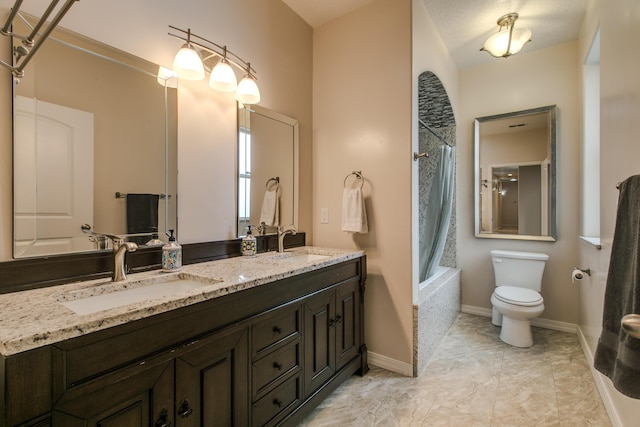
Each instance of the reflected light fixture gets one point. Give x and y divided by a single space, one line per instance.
508 40
222 76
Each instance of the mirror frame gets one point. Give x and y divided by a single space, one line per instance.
552 237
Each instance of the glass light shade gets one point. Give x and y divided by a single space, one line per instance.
188 65
497 44
167 77
248 92
223 78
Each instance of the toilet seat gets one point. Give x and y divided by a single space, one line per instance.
524 297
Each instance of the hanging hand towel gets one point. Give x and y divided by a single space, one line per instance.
142 215
618 354
270 213
354 215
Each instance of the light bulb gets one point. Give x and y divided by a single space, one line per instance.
187 64
223 78
248 92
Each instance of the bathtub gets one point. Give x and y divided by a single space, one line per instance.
438 307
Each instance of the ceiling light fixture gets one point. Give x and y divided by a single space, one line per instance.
508 40
187 66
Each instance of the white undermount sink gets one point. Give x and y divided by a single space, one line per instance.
301 256
118 294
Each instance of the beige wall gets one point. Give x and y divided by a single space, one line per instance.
276 41
619 159
524 81
362 121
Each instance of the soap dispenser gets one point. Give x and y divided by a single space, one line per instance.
171 254
249 247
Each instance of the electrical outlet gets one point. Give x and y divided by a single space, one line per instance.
324 216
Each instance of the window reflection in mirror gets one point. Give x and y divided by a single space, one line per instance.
90 121
267 182
515 175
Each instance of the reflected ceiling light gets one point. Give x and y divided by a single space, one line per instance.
508 40
222 77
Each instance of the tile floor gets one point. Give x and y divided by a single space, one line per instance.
474 379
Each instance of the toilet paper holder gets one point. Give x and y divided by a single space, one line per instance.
586 271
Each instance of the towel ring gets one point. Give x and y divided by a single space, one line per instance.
358 175
276 180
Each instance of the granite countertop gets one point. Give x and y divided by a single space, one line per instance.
36 318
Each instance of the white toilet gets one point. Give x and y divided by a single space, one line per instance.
516 299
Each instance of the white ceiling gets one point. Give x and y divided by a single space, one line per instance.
464 25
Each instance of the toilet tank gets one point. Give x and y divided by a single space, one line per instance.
520 269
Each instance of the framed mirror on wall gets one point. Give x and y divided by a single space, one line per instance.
93 127
515 175
267 182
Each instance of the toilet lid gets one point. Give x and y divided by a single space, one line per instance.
518 296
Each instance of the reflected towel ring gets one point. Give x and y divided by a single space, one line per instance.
358 175
276 180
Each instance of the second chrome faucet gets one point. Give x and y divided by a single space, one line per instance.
283 231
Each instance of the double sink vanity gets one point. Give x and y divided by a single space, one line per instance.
238 341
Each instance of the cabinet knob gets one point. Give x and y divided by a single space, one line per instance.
277 366
335 321
277 402
185 410
163 419
277 329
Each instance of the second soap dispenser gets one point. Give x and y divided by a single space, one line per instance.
249 246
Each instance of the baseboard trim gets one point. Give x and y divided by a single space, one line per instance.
541 323
390 364
599 380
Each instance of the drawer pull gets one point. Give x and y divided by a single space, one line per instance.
277 366
277 329
163 419
185 410
277 402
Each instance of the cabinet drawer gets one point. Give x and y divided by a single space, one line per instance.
277 403
275 366
275 328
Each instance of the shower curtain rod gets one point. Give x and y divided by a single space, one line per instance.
433 132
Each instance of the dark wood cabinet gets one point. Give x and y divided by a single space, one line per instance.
332 323
264 356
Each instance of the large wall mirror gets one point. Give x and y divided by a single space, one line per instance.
267 185
95 142
515 175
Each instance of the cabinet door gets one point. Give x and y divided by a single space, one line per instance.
212 382
319 339
134 396
347 322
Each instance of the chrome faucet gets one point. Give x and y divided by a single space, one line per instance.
120 249
283 231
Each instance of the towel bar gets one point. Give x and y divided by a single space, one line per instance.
120 195
631 325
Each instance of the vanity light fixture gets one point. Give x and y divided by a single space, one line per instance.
199 52
508 40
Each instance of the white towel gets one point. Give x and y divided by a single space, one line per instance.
270 213
354 215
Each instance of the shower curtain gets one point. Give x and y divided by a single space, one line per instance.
439 204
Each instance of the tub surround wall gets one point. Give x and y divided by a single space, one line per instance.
437 310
